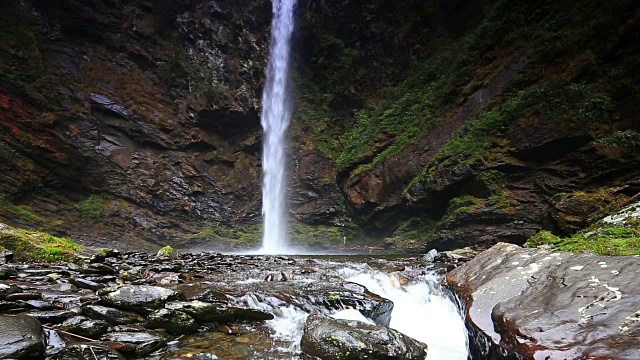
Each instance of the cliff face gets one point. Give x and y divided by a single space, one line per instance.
461 123
438 123
131 120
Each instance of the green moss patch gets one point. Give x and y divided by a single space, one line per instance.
91 207
600 239
37 246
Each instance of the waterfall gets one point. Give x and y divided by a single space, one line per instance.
276 115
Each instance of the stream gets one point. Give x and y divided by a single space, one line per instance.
214 306
421 309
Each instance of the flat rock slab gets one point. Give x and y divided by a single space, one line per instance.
551 305
141 298
110 315
217 312
20 337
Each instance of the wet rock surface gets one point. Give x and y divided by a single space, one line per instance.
89 352
20 338
84 326
111 315
536 304
175 322
140 298
331 339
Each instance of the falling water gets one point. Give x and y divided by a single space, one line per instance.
276 114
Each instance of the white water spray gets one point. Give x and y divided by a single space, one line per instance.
421 311
276 115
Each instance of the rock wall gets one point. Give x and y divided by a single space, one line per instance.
482 132
131 120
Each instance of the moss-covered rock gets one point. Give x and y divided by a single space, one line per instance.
169 252
37 246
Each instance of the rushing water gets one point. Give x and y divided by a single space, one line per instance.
276 115
421 311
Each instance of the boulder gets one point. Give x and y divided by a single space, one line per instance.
7 272
175 322
111 315
53 316
317 297
140 298
21 338
85 284
55 343
567 213
169 252
332 339
97 268
534 303
5 255
84 326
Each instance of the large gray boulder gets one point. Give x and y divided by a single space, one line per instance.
541 304
331 339
20 338
140 298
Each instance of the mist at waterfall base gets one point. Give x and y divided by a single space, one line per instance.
276 116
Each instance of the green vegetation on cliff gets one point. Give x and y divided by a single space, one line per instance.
439 109
37 246
618 234
21 212
546 34
91 207
610 240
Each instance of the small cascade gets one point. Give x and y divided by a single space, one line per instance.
276 115
421 310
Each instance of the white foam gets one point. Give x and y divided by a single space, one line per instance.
422 312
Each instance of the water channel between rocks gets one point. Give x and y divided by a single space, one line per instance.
293 287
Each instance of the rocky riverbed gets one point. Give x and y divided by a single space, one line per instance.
213 306
518 304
